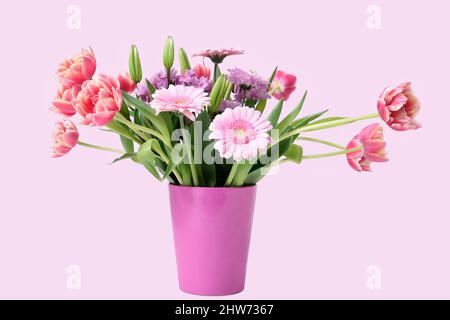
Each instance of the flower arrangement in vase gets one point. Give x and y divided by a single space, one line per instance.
211 135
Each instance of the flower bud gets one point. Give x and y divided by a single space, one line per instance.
184 61
168 53
135 65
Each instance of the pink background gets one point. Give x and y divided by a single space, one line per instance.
318 226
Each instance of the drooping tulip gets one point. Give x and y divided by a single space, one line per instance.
66 137
398 107
76 70
282 85
372 148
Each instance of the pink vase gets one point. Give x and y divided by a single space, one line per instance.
212 228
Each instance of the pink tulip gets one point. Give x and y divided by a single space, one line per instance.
77 69
99 100
282 85
63 101
398 106
201 70
126 84
65 136
372 148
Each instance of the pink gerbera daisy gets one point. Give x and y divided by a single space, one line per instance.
187 100
217 55
241 133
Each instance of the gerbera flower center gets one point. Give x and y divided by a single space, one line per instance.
242 132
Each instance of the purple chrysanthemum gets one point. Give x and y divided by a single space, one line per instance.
190 78
248 85
227 104
159 80
142 92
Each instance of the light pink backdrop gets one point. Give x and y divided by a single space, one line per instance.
318 227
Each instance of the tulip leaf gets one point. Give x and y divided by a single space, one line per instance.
294 153
122 130
150 87
147 157
149 113
255 176
292 115
173 163
123 157
306 120
261 105
324 120
275 114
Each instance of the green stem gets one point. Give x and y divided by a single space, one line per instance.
328 143
187 146
88 145
332 154
168 77
231 175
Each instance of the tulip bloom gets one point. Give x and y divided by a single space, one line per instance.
398 107
77 69
282 85
202 71
65 136
125 83
99 100
63 101
372 148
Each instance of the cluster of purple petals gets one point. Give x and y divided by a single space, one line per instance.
190 78
159 80
248 85
227 104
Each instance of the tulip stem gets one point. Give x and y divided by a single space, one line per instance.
187 146
88 145
332 154
328 143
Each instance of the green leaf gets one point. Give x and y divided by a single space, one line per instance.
275 114
261 106
122 130
147 157
324 120
241 174
184 60
123 157
137 117
168 53
208 170
173 163
292 115
255 176
306 120
126 142
149 113
294 153
150 87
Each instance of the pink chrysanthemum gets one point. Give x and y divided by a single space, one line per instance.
241 133
187 100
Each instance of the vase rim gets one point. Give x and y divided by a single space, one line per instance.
171 185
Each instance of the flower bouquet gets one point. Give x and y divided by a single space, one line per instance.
211 134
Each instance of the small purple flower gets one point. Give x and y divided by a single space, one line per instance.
159 80
189 78
248 85
227 104
142 92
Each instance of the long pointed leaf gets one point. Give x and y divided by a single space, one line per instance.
286 122
147 157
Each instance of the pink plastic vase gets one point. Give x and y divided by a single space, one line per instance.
212 229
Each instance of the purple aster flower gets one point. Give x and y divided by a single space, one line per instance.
159 80
248 85
227 104
142 92
190 78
